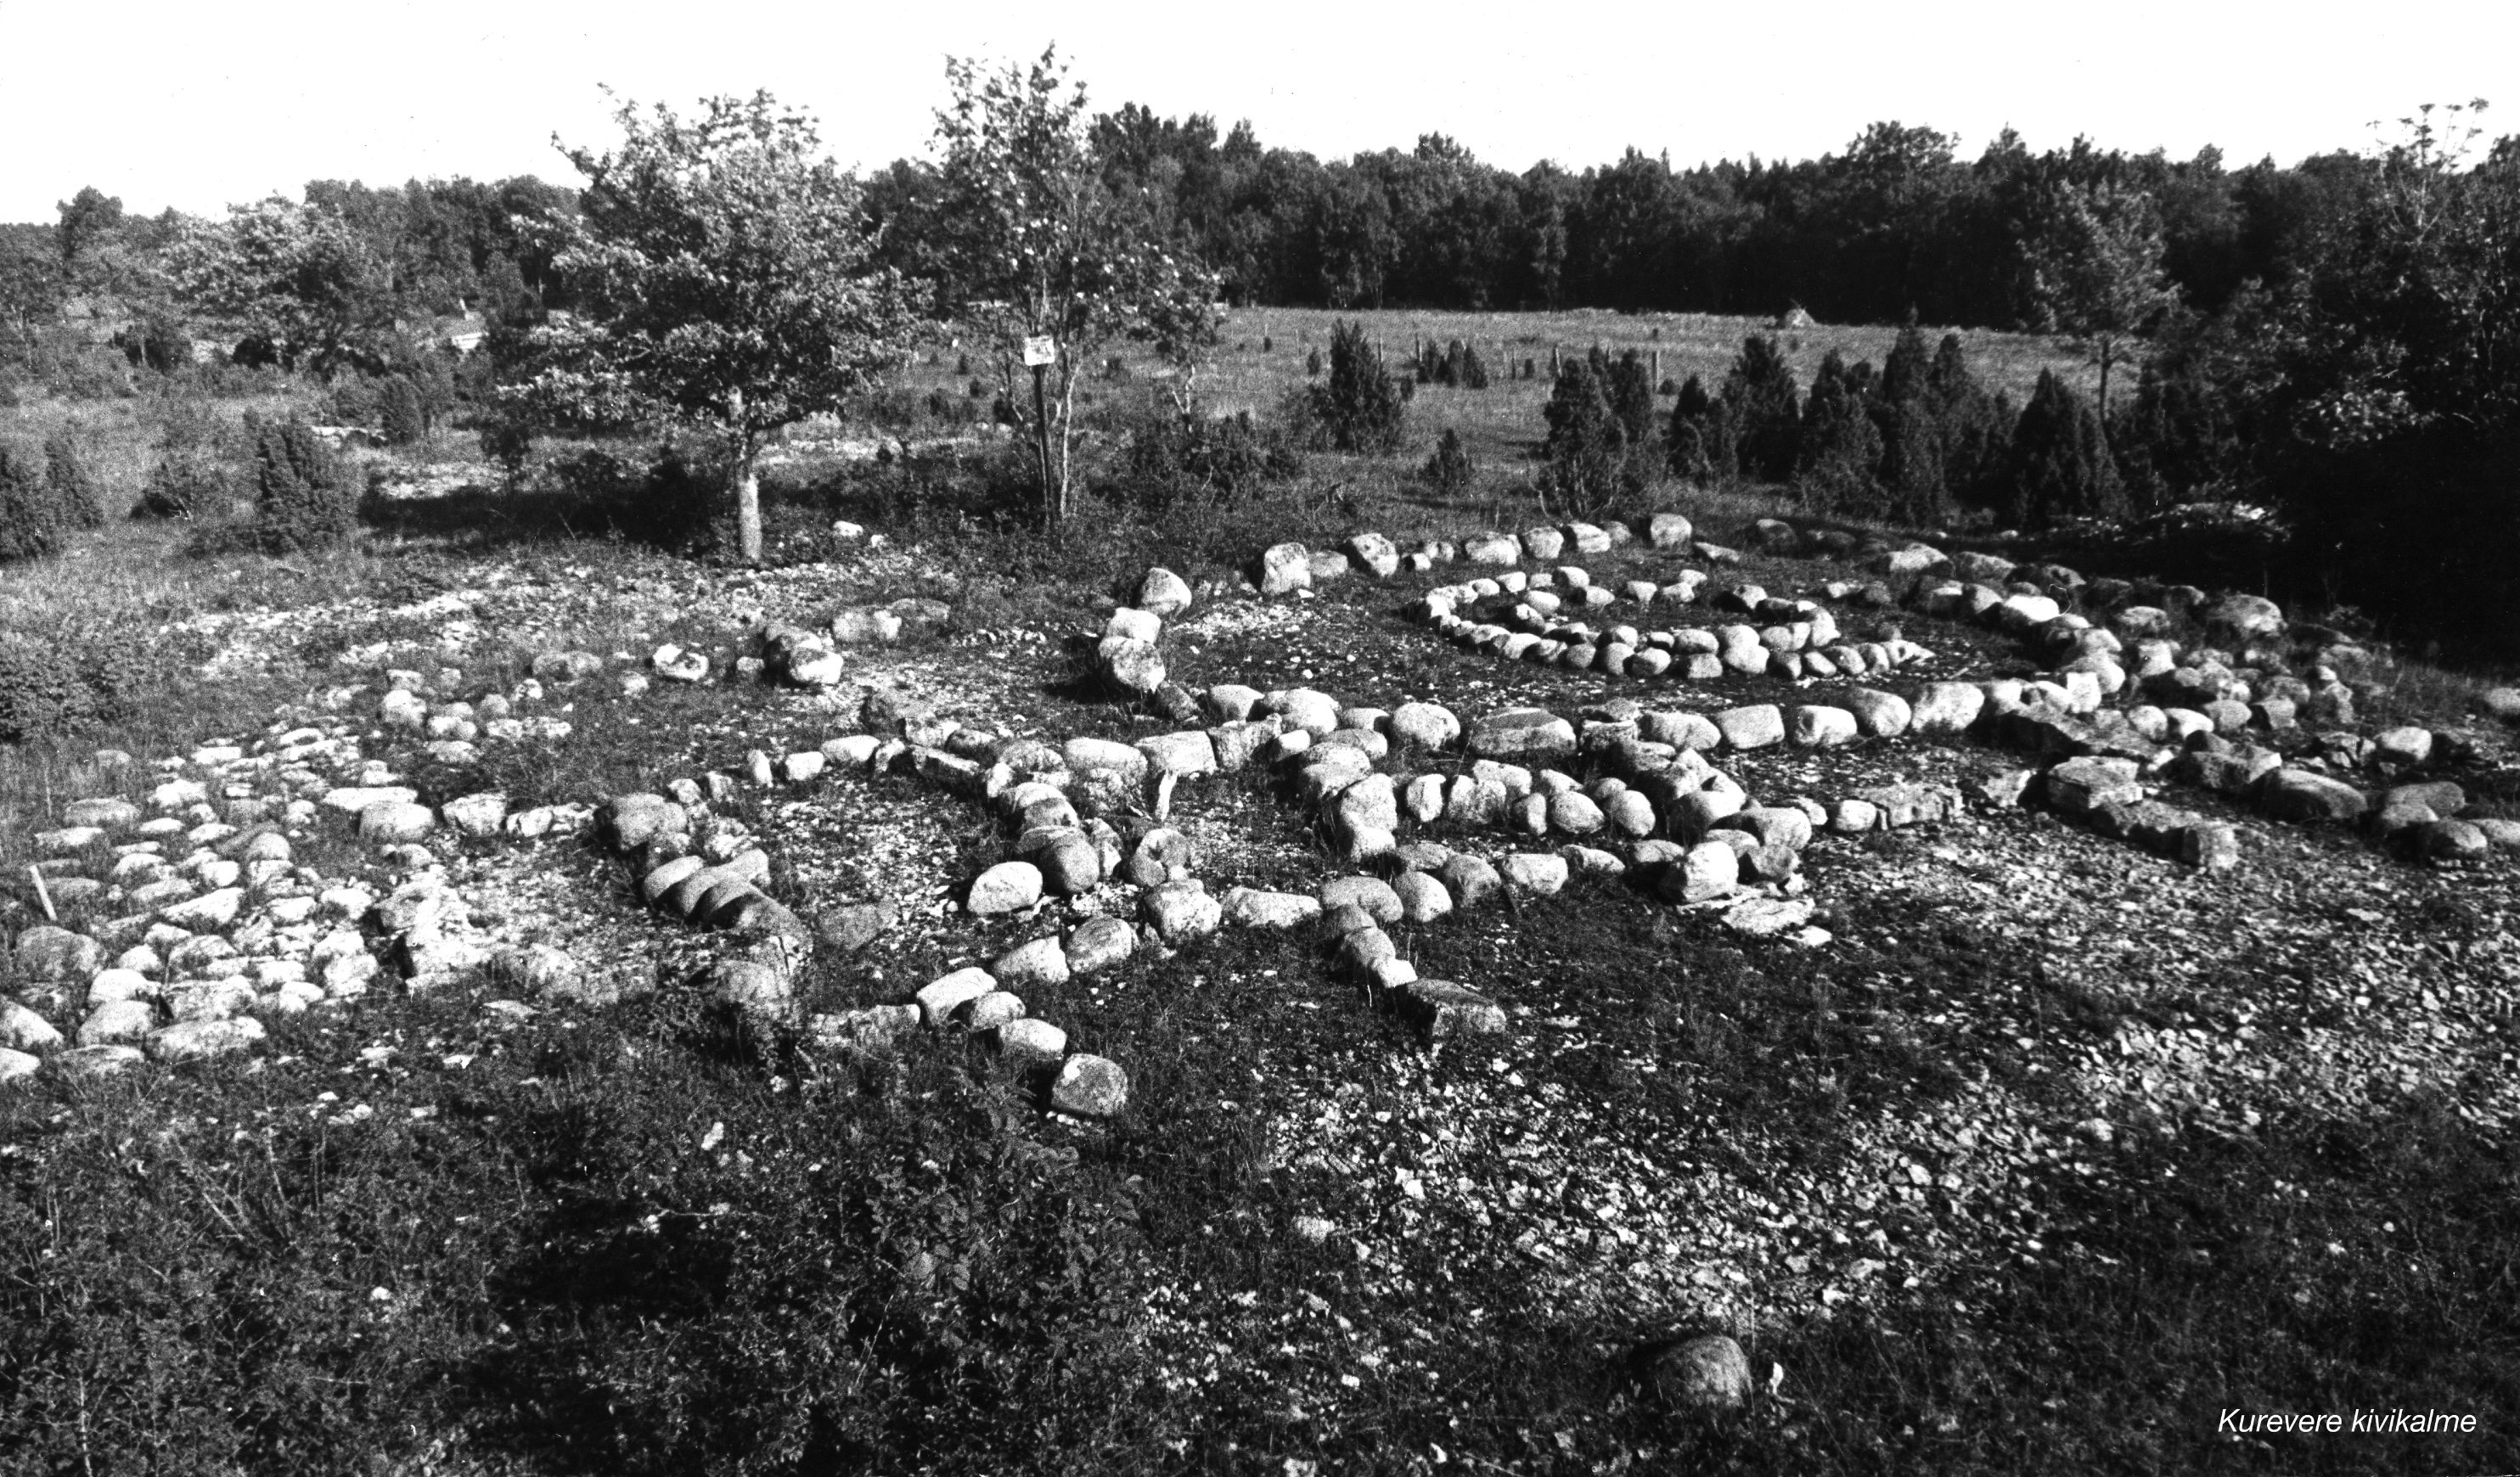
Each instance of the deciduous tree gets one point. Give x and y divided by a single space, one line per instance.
720 266
2096 275
1036 243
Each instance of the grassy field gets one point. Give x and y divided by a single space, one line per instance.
454 1233
1506 417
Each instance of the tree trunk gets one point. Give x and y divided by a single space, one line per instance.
2105 356
747 506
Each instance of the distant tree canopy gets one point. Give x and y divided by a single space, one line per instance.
1897 222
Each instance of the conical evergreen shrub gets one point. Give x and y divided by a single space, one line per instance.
1976 428
1588 450
30 522
304 497
1838 446
2060 465
1359 408
1763 407
400 416
1449 471
76 493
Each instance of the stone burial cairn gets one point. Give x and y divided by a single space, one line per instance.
692 864
182 921
2124 703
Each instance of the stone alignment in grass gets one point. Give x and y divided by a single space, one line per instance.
181 956
1093 809
2063 719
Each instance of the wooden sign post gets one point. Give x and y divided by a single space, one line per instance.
1039 352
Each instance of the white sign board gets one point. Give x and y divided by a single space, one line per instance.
1040 350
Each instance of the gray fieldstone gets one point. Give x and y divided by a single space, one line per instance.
1470 881
1028 1042
107 813
48 954
2402 746
1251 907
940 998
1164 593
1536 872
1422 899
1375 552
1705 1374
1089 1087
1285 569
1522 733
1374 896
1759 725
1820 727
1042 961
1134 665
1007 887
2294 794
120 1022
1181 911
1441 1009
1187 753
188 1040
479 814
1099 944
22 1030
1948 708
1425 725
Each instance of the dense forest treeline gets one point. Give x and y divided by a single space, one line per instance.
1896 224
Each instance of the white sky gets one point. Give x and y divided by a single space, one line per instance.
198 105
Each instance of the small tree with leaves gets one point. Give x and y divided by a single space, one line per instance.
2096 275
720 264
1038 245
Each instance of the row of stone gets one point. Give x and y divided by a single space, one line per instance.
2204 750
653 830
1800 638
1284 568
189 975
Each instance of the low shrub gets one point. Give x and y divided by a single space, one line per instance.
304 497
401 416
2061 467
1601 446
76 489
1170 457
1358 408
31 523
1449 471
57 683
